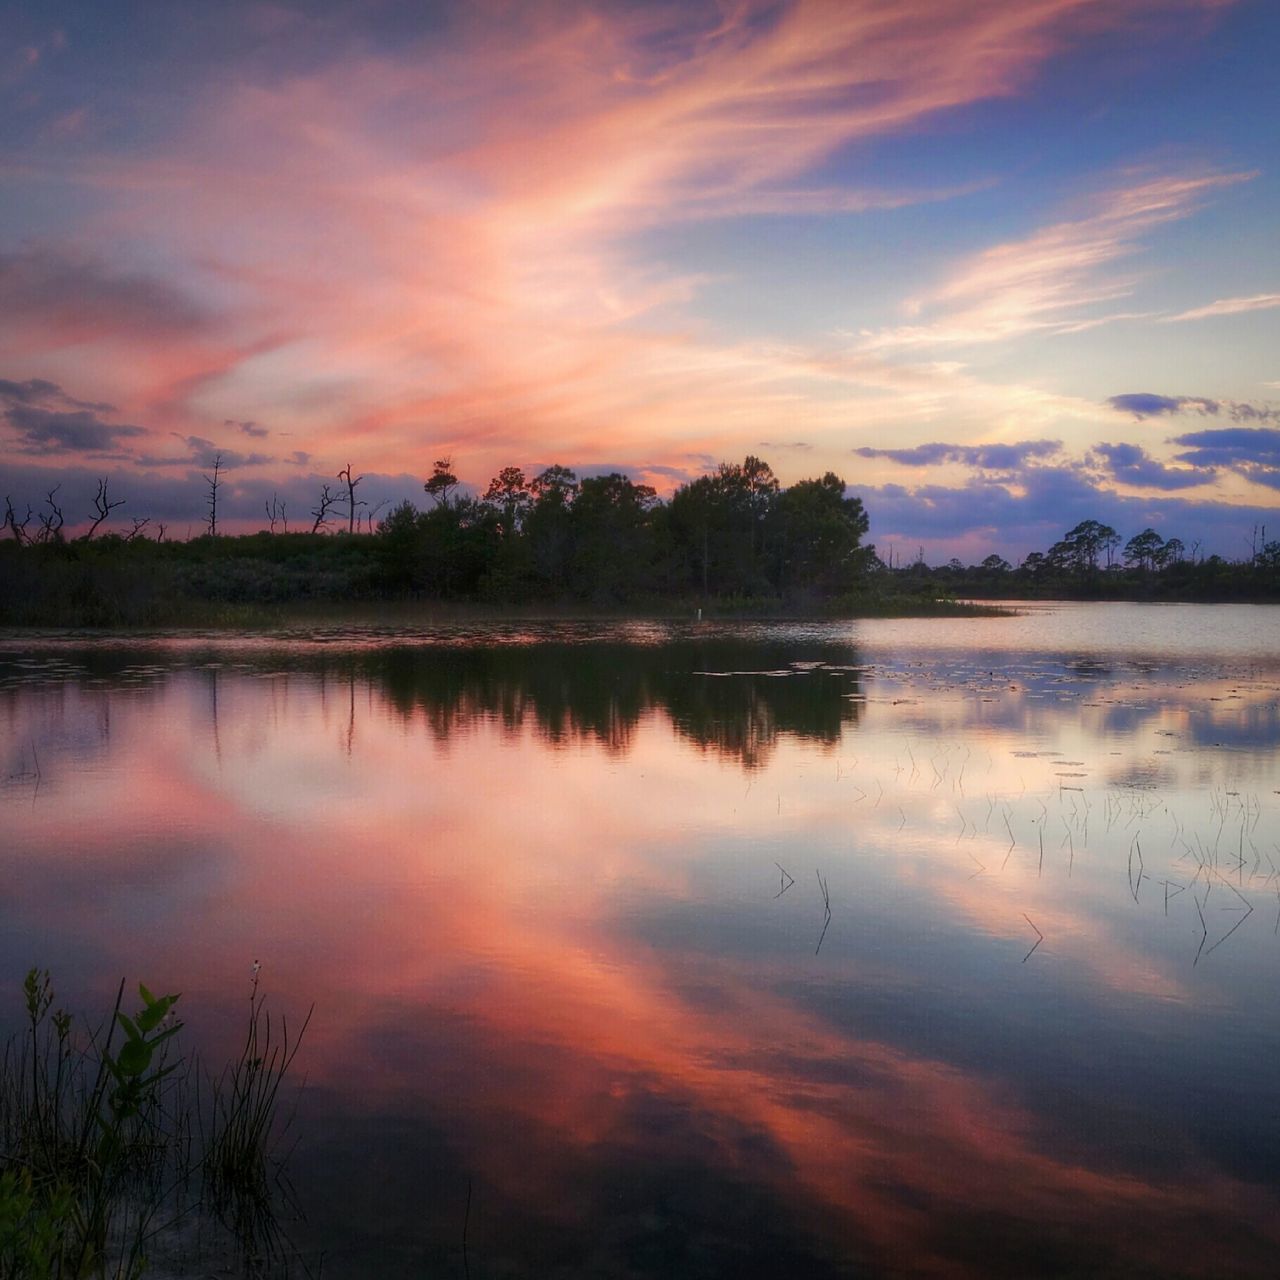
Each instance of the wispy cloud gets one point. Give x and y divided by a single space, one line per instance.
1229 307
986 457
1048 281
1146 404
435 248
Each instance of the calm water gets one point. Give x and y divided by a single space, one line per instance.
894 948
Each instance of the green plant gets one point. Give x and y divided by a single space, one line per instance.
97 1138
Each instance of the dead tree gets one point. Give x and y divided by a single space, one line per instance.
11 522
161 529
275 510
103 506
214 482
51 524
139 524
368 520
321 512
351 496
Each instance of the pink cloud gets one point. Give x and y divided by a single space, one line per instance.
434 249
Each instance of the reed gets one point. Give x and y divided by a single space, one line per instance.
106 1148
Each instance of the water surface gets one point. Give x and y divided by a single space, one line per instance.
880 948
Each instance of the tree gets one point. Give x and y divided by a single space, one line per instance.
510 494
1088 540
1079 549
16 526
442 483
995 564
721 528
400 546
612 537
351 483
820 535
548 527
556 483
1268 556
214 483
1171 553
1144 549
275 511
51 524
102 507
321 510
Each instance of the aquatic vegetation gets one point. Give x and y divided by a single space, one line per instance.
109 1139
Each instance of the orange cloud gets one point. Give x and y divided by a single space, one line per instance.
436 252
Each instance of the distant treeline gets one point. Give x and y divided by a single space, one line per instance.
733 539
1093 562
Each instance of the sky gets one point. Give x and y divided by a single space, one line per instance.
1001 266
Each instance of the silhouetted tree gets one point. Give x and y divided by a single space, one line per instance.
321 510
17 527
102 507
613 547
215 483
442 483
1144 549
548 525
400 547
510 494
51 523
345 475
820 534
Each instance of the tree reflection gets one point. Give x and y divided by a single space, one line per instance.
732 698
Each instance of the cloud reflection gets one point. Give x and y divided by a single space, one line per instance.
531 890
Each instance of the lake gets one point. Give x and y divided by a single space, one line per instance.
879 948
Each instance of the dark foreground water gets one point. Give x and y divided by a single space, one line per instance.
895 948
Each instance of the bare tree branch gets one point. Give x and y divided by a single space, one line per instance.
345 474
275 511
321 512
51 524
103 506
214 483
11 522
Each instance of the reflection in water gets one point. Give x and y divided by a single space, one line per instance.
534 892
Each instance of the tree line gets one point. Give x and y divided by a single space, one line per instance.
735 532
734 537
1093 561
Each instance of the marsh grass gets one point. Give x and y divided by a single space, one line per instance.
240 1161
113 1145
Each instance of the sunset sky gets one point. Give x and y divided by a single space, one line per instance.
1002 265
